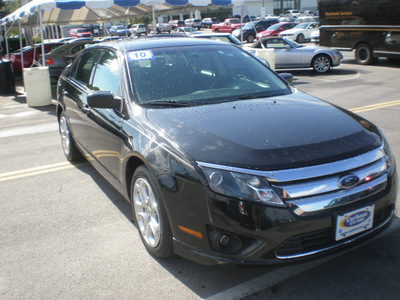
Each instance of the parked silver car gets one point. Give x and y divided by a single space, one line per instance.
59 58
289 54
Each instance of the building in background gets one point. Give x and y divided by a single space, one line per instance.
274 7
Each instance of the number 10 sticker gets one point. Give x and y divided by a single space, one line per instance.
141 55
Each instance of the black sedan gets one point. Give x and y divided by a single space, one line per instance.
251 29
221 159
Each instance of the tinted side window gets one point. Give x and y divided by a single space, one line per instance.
84 68
106 76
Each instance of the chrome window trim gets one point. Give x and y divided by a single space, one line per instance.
308 172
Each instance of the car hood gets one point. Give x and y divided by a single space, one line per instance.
267 134
292 30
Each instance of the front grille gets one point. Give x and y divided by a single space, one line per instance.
324 239
334 187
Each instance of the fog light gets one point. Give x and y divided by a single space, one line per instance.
224 240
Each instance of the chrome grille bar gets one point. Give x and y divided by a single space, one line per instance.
330 184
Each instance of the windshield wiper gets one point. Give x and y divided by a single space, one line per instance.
244 97
168 103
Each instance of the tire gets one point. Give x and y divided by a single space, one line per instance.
250 38
149 214
364 54
321 63
300 38
216 30
71 152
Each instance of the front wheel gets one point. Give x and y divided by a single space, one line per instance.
364 54
216 30
300 38
149 214
71 152
321 64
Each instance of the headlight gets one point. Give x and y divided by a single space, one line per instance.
390 160
242 186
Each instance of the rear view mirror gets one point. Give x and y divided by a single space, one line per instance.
102 99
287 77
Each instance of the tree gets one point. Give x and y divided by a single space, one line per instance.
9 6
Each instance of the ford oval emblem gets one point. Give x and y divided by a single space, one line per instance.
348 181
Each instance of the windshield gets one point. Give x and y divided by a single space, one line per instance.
235 21
120 27
250 25
196 75
274 27
293 43
302 26
26 48
81 30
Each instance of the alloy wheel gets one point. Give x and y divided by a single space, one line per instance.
146 212
65 136
321 64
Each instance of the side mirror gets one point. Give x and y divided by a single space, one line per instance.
287 77
287 47
102 99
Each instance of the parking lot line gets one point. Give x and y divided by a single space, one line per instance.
38 170
375 106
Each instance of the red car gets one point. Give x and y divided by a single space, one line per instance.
30 53
228 25
275 29
80 32
177 23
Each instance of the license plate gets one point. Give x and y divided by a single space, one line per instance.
354 222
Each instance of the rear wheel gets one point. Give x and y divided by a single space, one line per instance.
364 54
321 64
300 38
150 216
250 38
71 152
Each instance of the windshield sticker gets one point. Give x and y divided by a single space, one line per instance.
140 55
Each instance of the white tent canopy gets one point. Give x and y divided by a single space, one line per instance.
96 11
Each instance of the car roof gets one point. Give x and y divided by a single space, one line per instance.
156 42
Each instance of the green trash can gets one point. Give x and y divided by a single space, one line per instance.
7 83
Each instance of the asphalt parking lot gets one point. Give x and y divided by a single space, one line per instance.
67 234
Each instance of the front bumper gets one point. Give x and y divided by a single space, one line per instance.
266 235
235 231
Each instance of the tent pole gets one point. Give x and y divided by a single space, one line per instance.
41 35
241 24
20 45
154 20
5 37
